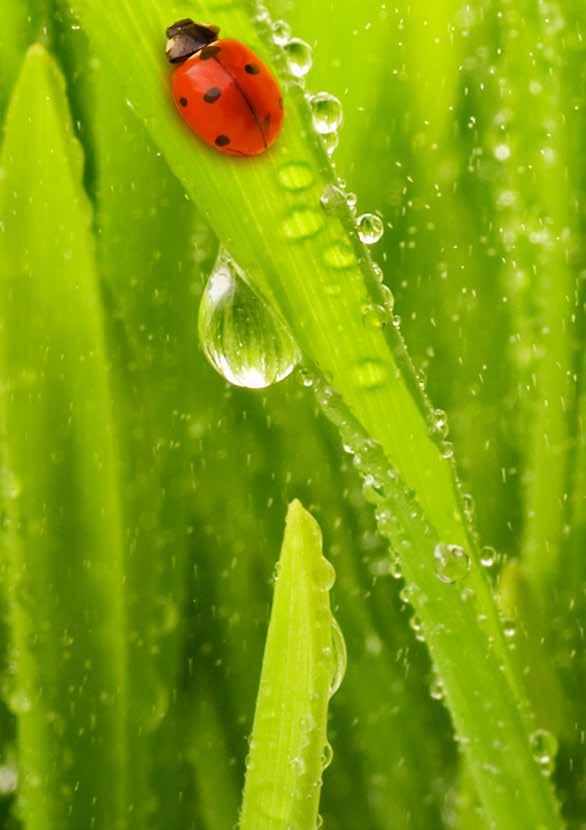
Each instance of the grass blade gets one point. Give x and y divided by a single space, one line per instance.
283 778
64 560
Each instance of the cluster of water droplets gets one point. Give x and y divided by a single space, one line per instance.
242 337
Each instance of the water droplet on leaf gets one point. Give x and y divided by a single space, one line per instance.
299 57
302 223
370 228
326 112
281 32
452 563
544 747
340 657
295 175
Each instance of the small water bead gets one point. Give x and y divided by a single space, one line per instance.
299 57
325 574
302 223
375 316
396 569
439 424
327 755
437 689
378 272
370 228
340 657
509 628
326 112
240 335
417 627
281 32
332 199
295 175
452 563
487 556
351 201
544 747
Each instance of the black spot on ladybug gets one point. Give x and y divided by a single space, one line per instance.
212 95
183 102
209 52
252 68
222 140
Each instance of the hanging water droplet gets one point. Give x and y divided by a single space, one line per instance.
330 141
544 747
299 57
487 556
302 223
295 175
340 657
327 755
370 228
241 336
281 32
374 316
326 112
452 563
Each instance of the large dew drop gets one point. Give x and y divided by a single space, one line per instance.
241 336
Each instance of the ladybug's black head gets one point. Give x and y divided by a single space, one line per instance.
185 38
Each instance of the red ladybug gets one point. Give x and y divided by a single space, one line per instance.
223 90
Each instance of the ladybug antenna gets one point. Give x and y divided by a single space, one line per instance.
185 38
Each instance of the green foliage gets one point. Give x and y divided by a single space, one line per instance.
143 499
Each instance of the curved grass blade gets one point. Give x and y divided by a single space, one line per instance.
64 557
283 777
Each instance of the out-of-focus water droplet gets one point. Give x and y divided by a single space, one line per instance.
327 755
502 152
295 175
339 256
326 113
437 689
452 563
374 316
302 223
281 32
340 657
299 57
369 373
487 556
241 336
544 747
509 628
8 779
370 228
297 764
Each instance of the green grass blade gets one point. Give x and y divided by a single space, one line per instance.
283 778
64 548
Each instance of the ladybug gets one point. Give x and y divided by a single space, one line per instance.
226 94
